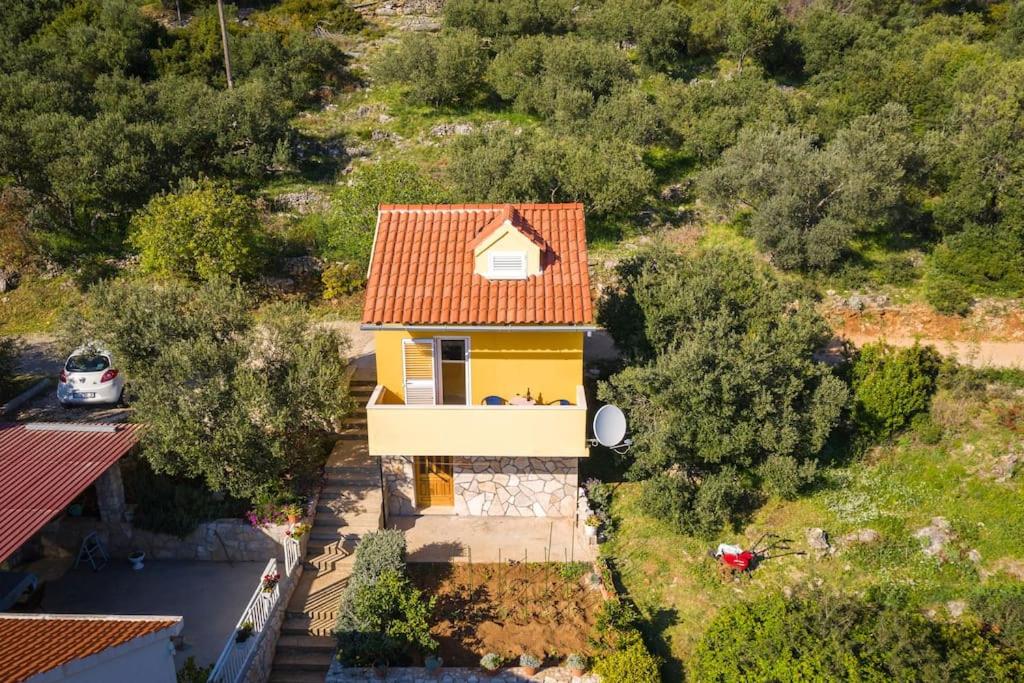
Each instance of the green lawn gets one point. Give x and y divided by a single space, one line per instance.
18 384
896 490
36 304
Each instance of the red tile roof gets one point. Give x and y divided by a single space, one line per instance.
43 469
31 644
421 272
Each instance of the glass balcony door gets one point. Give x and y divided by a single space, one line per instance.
452 370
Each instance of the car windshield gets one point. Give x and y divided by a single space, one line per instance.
87 363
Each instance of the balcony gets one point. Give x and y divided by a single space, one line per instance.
477 430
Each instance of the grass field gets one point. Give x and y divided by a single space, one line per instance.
896 490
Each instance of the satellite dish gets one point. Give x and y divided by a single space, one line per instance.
609 426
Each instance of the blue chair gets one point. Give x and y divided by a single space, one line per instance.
493 401
560 402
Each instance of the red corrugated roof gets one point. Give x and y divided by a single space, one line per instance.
32 644
422 267
41 472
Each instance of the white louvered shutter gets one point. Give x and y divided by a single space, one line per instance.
508 265
418 357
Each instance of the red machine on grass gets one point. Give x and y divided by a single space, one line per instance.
735 560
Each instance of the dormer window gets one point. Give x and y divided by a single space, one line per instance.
507 248
507 265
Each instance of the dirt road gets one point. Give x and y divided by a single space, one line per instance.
982 354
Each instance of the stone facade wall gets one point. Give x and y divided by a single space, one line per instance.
399 485
220 540
495 487
516 487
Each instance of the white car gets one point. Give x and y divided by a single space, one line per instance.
90 376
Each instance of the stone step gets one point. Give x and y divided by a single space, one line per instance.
306 661
328 515
295 676
344 533
305 643
297 625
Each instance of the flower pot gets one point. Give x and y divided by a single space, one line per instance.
590 531
293 519
137 559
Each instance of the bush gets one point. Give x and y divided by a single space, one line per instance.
946 294
631 665
1001 608
444 68
977 260
557 78
774 638
785 477
204 231
346 234
658 29
378 552
384 619
510 17
342 279
8 355
501 165
891 386
336 16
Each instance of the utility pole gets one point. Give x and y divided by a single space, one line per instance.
224 40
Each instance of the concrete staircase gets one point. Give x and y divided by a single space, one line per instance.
351 505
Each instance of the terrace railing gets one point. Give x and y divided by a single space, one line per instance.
292 555
236 657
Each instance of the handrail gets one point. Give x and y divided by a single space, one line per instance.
292 552
236 657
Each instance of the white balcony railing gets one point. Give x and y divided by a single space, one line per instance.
553 431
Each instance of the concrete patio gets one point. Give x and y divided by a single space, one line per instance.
446 538
209 595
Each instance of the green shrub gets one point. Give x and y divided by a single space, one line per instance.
443 68
378 552
190 672
892 385
824 636
346 234
342 279
946 294
927 430
510 17
1001 608
784 476
385 619
336 16
204 231
631 665
8 355
557 78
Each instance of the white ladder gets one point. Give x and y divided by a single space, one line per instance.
92 550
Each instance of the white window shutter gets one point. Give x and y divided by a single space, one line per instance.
508 265
418 363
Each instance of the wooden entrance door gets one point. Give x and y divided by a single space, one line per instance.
435 483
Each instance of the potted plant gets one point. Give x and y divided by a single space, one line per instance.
591 524
270 580
293 512
577 664
299 530
380 667
136 558
244 631
490 663
529 663
432 663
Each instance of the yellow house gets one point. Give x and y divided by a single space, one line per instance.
479 313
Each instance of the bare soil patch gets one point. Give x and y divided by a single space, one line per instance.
509 609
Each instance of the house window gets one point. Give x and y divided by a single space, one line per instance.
507 265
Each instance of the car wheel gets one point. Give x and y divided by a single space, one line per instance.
120 399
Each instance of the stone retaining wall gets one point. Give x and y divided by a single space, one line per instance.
493 487
339 674
219 540
266 648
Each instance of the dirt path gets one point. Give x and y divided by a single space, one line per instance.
982 354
